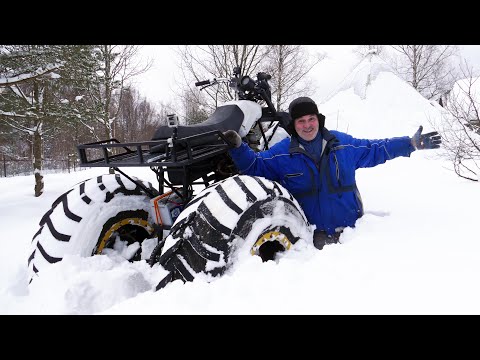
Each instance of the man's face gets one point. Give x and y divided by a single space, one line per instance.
307 126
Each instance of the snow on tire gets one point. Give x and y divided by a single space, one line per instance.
241 210
83 220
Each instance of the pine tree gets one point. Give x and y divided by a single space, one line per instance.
36 82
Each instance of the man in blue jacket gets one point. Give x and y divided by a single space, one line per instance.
318 166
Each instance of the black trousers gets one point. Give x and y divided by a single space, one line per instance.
320 239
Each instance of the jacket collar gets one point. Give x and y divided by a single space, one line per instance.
328 140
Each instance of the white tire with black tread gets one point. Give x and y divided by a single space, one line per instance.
222 217
81 218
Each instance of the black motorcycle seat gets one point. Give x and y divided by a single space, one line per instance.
226 117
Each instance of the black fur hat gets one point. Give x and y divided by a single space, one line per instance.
303 106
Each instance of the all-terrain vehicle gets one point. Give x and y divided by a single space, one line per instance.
186 232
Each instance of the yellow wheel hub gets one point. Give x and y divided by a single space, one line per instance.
128 221
271 236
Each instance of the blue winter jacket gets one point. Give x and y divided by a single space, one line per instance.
328 193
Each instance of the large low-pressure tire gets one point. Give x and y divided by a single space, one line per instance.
88 218
241 212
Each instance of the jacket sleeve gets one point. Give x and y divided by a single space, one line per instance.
369 153
249 162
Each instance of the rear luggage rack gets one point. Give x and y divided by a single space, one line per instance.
169 152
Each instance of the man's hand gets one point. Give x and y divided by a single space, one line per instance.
284 118
429 140
233 137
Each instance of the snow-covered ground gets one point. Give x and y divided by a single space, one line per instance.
415 251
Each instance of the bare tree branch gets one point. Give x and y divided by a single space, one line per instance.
426 67
460 127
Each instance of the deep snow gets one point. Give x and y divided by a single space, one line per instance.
415 251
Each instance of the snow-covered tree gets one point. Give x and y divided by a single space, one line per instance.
116 65
428 68
460 126
33 81
363 50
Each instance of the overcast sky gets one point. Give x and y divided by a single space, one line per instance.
158 83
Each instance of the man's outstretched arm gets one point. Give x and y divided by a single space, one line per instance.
249 162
